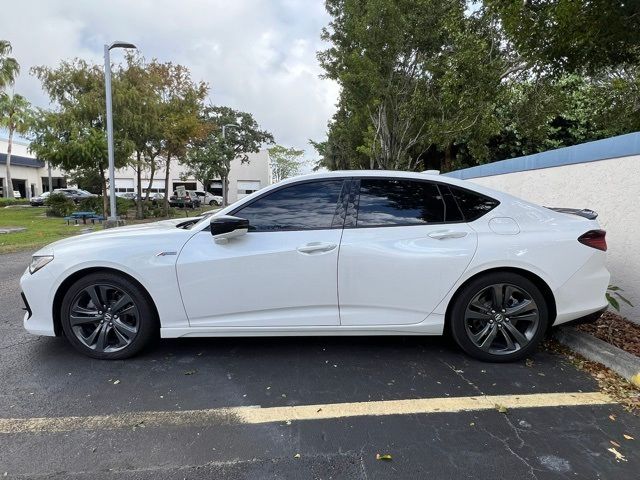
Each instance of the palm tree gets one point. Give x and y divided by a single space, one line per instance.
16 116
9 67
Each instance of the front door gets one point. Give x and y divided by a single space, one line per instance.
405 248
283 272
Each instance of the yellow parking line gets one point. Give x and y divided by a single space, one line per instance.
257 415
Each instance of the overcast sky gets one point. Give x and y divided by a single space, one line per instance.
256 55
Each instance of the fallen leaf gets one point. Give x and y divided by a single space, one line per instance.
528 362
614 443
288 422
627 437
319 410
116 382
297 455
501 408
612 418
190 372
386 457
472 424
618 455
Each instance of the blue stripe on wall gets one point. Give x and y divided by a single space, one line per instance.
620 146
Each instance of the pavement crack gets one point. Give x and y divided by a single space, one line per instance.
532 469
459 374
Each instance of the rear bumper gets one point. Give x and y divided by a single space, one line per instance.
589 318
583 295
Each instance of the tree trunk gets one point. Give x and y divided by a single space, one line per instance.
447 164
105 198
167 192
138 185
152 174
9 187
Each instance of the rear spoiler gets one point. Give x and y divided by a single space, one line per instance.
584 212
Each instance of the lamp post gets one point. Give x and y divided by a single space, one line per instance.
113 218
225 194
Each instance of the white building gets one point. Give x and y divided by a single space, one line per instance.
30 175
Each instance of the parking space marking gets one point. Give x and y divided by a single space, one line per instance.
258 415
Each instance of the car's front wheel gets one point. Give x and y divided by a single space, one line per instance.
499 317
107 316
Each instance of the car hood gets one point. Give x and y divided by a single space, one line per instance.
155 234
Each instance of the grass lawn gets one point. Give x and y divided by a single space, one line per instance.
42 230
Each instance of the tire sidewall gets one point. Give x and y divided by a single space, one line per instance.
471 289
148 324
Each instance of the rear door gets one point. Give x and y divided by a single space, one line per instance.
404 245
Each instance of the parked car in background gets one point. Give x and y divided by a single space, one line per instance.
419 254
39 200
75 194
207 198
189 200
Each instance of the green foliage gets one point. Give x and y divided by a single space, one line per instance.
58 205
611 294
4 202
91 204
572 35
431 84
210 157
9 66
285 162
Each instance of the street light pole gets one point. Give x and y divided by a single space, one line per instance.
225 181
113 218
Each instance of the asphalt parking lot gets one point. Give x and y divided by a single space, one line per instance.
239 408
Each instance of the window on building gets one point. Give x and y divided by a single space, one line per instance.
305 206
247 187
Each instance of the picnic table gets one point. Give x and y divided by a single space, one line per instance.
84 216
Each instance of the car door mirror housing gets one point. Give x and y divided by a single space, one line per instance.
226 227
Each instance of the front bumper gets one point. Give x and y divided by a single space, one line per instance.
37 297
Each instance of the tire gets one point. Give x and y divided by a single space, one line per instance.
213 203
519 325
108 334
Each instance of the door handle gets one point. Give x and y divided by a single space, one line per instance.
316 247
444 234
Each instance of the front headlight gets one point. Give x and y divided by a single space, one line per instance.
39 261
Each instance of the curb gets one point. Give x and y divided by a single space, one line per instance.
623 363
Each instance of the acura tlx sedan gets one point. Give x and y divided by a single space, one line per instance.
341 253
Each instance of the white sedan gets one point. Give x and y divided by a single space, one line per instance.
341 253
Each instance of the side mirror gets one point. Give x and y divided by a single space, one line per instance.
226 226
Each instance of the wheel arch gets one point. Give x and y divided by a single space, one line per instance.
75 276
537 281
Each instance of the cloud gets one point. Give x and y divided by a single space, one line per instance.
256 55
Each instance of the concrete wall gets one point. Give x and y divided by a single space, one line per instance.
611 187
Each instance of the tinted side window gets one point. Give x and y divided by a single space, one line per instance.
388 202
306 206
473 205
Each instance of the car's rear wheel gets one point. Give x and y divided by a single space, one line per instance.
499 317
107 316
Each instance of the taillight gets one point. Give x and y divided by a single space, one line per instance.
595 239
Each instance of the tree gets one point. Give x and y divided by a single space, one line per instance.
285 162
16 116
72 136
9 66
572 35
181 107
137 92
211 157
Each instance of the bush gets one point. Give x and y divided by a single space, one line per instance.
91 204
59 205
123 205
5 202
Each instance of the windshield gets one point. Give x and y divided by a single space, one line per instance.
190 222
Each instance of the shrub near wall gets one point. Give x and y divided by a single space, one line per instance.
59 205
